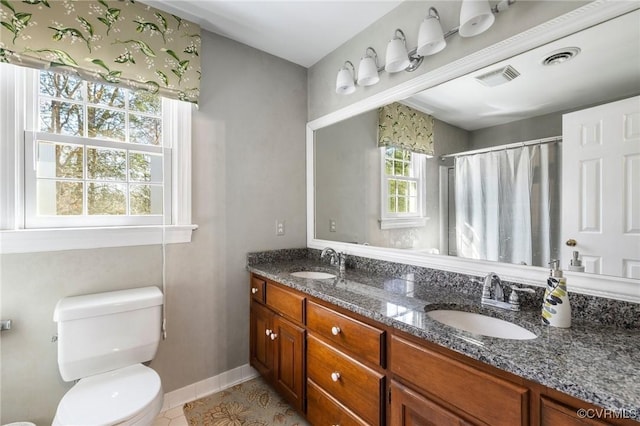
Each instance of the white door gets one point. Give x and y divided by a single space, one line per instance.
601 187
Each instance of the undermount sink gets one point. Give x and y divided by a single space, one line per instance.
481 324
313 275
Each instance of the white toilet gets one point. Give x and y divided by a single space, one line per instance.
102 340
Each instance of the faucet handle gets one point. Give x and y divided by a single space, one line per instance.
513 298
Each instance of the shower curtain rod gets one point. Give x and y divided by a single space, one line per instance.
502 147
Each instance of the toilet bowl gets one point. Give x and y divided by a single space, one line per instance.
103 339
127 396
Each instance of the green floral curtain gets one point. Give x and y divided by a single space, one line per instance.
403 127
121 42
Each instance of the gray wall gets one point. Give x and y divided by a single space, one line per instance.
248 171
408 16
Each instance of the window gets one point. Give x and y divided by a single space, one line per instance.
402 188
99 156
94 157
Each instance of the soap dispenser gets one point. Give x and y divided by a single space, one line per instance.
556 309
575 264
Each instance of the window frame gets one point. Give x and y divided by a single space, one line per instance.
17 102
394 220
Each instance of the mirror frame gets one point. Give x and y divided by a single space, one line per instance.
596 285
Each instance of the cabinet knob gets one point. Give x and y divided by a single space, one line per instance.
254 290
267 332
273 336
335 376
335 330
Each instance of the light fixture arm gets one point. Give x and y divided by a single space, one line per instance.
353 69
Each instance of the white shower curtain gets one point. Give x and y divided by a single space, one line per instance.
507 203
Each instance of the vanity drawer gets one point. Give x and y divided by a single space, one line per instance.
322 409
460 385
285 302
348 381
363 340
257 288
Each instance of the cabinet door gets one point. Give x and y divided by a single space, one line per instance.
409 408
260 346
553 413
288 341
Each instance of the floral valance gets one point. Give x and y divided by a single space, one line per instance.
121 42
403 127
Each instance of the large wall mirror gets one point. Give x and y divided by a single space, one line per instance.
501 185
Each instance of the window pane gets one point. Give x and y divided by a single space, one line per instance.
402 205
104 94
392 204
398 154
402 187
413 205
56 160
146 102
58 198
106 164
145 167
145 130
106 124
413 189
145 199
61 117
392 187
388 167
106 199
397 168
60 86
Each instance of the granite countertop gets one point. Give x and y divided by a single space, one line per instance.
595 363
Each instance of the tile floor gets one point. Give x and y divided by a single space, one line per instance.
172 417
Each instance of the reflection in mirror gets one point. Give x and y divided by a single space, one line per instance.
484 194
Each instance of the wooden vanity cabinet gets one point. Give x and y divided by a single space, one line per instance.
277 340
452 391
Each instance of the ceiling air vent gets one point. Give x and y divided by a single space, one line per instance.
497 77
560 56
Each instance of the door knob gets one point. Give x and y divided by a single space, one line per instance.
254 290
335 330
5 325
335 376
571 242
267 332
273 336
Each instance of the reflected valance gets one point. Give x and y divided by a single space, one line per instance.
121 42
403 127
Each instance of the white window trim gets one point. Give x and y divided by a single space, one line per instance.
14 238
396 221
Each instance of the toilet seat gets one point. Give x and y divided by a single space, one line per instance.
124 396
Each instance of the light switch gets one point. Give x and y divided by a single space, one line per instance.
279 228
332 225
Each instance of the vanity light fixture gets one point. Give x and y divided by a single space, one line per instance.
368 68
397 57
476 17
430 38
345 83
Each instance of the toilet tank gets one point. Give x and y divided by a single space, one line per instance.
106 331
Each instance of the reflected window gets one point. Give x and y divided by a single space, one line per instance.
403 177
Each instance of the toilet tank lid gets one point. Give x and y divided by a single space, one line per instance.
92 305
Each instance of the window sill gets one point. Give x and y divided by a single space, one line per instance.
413 222
56 239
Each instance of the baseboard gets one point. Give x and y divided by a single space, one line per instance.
208 386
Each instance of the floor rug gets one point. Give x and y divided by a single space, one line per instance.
252 403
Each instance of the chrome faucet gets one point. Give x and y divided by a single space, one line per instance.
493 293
335 258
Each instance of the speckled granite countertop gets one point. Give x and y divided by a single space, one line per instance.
594 363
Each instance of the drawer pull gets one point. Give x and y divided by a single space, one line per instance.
254 290
335 330
335 376
267 332
273 336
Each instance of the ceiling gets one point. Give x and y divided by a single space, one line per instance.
607 68
300 31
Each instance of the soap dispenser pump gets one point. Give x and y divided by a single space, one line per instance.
556 309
